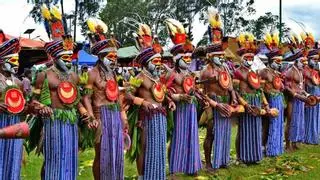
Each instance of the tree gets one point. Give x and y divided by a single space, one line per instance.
84 7
265 23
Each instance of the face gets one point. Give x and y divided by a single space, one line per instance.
11 64
300 63
314 63
110 60
248 60
64 62
154 66
217 59
276 64
84 70
184 61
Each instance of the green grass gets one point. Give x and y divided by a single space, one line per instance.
302 164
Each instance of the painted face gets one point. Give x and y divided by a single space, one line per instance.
154 66
276 64
64 63
184 61
300 63
217 59
314 63
110 60
248 60
11 64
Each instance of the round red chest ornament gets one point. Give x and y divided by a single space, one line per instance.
277 83
112 90
315 78
188 84
253 80
67 92
14 100
158 92
224 79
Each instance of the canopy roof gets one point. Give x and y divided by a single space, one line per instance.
26 43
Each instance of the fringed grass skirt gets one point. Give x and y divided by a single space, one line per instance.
60 150
111 154
10 151
297 125
185 151
312 118
250 134
155 130
274 145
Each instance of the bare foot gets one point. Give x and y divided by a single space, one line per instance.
295 146
209 169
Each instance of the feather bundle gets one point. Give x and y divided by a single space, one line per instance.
214 17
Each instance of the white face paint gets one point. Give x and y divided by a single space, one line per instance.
63 65
155 70
9 68
275 66
247 63
313 64
218 61
183 65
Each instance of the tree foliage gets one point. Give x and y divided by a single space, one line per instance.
122 16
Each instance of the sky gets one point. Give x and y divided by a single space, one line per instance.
306 11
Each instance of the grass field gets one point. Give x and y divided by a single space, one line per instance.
302 164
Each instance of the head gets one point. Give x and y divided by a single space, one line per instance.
217 58
275 63
300 62
84 68
154 66
313 62
64 62
247 59
131 71
109 59
183 60
11 63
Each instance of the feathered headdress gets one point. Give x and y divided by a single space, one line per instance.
308 40
311 48
149 46
54 18
295 45
97 36
214 29
62 44
247 44
215 33
179 37
272 43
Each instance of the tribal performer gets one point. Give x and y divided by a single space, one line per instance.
273 87
249 137
12 103
312 86
297 97
218 86
149 93
56 99
184 151
102 102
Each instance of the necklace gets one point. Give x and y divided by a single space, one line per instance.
147 73
105 74
63 76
